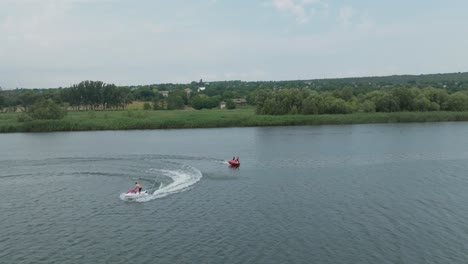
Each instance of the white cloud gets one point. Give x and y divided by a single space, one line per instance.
300 9
325 12
346 15
310 1
365 23
349 17
156 28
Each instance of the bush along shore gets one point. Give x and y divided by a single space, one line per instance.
175 119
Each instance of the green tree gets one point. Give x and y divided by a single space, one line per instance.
144 93
332 105
260 98
293 111
29 98
312 104
405 98
458 102
438 96
384 101
422 104
46 109
175 102
269 107
200 102
157 104
346 93
146 106
368 106
2 101
95 95
230 104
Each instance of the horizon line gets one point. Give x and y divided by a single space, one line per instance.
288 80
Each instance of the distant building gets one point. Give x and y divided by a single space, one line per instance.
240 101
165 93
201 89
222 105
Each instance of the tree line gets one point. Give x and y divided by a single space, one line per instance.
430 92
97 95
346 100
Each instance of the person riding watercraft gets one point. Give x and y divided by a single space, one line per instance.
138 187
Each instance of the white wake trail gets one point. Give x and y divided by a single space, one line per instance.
182 180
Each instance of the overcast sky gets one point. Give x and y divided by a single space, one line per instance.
52 43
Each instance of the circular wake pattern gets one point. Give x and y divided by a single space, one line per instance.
72 204
171 181
160 175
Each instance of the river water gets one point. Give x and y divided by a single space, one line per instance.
395 193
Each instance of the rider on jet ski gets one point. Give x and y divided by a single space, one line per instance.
137 187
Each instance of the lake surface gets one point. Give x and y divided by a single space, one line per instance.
395 193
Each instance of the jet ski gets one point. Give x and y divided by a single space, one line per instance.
132 195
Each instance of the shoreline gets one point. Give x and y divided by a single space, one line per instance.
180 119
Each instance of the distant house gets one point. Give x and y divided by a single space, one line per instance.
165 93
201 89
222 105
240 101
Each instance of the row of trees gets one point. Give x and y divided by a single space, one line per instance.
87 95
96 95
452 82
2 99
382 94
344 101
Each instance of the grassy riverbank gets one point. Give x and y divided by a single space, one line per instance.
125 120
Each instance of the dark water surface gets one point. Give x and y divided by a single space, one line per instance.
394 193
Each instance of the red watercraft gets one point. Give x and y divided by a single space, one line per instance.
234 163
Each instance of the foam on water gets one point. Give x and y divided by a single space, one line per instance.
182 180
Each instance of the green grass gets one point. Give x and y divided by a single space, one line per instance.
132 119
